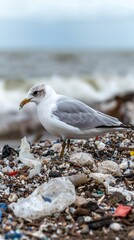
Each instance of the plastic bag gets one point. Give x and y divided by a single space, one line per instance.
28 159
47 199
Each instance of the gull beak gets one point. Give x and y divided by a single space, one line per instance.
24 102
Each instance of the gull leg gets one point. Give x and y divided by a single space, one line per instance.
63 148
68 144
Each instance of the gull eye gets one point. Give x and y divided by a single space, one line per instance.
35 93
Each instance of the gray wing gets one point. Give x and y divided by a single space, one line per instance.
80 115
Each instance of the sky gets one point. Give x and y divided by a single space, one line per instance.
67 24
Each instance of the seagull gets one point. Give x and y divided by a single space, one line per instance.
69 118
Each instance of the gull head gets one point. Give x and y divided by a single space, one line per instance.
36 94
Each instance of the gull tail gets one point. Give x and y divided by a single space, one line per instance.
129 126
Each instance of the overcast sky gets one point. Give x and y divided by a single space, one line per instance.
60 23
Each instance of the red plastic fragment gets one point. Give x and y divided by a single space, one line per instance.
122 211
12 173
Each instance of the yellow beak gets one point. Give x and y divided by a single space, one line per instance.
24 102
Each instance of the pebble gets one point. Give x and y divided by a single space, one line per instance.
12 197
115 226
131 235
84 229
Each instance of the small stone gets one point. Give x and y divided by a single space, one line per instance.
7 228
115 226
54 174
79 201
84 229
131 235
56 147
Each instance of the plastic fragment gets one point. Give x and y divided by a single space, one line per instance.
109 167
82 159
0 216
99 223
102 178
122 211
78 179
60 191
12 173
28 159
3 206
6 151
128 194
132 153
13 235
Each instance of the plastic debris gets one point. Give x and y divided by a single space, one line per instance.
109 167
124 164
128 194
0 216
13 235
100 145
47 199
12 197
102 178
78 179
6 151
13 173
122 211
3 206
132 153
102 222
82 159
28 159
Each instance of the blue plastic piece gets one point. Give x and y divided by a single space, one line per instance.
0 216
3 206
47 199
13 235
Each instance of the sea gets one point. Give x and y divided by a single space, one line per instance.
90 76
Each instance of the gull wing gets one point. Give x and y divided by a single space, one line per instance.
80 115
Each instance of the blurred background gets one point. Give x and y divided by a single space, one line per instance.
82 48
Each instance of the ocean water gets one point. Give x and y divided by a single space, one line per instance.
88 76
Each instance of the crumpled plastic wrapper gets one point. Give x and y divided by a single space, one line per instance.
47 199
108 179
109 167
28 159
102 178
82 159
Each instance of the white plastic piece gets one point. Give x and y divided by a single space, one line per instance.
82 159
101 146
47 199
102 178
109 167
28 159
124 164
120 189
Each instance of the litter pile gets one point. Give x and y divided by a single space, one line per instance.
87 195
